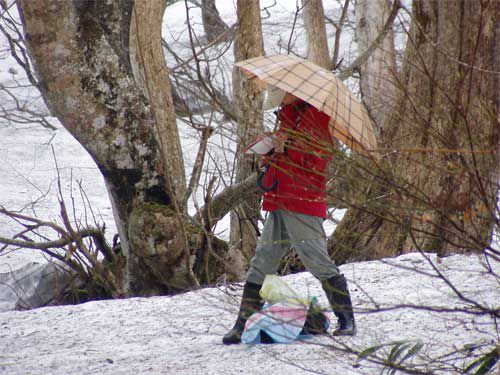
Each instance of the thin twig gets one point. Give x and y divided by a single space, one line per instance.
338 33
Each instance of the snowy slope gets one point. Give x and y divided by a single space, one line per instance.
182 334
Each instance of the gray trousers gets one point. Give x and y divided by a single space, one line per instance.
284 230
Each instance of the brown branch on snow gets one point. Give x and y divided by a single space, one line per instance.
71 244
78 256
67 237
36 221
83 257
60 243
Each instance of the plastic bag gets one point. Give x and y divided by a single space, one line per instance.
275 289
286 316
281 322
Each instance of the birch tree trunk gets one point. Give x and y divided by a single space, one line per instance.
102 73
436 191
248 100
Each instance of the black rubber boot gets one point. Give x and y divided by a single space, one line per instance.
250 303
338 295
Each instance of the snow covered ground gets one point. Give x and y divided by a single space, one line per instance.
182 334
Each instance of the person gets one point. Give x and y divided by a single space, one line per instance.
295 197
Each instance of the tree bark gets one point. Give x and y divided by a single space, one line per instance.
248 100
102 73
377 74
314 23
213 24
435 189
151 73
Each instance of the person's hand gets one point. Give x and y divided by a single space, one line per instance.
279 141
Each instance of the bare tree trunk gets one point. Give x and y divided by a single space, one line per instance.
377 74
248 99
151 74
213 24
437 190
314 22
102 73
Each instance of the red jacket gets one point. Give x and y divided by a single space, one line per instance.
300 171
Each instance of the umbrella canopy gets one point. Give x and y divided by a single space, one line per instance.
349 122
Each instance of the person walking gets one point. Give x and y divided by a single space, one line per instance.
294 187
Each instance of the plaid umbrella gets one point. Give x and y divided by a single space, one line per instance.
322 89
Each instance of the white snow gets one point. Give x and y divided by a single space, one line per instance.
182 334
29 174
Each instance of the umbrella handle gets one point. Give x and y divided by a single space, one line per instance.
260 180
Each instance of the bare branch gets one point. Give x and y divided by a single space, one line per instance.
84 233
231 196
200 157
338 33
